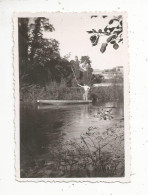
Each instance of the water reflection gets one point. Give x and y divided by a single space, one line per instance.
44 127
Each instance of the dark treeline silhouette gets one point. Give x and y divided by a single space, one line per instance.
39 58
40 61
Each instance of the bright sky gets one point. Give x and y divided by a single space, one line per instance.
70 31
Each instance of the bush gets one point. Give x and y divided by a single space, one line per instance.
107 93
59 91
95 155
53 91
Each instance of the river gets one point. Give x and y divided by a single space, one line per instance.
43 128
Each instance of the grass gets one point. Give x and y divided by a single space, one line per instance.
55 91
94 156
107 93
30 93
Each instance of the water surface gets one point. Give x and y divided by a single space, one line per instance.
42 128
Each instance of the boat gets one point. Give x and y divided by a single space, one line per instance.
61 102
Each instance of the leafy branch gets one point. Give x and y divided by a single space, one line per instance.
113 31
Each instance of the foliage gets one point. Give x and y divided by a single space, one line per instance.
86 59
23 41
83 77
113 31
96 153
40 60
107 93
104 114
53 91
97 78
36 35
44 74
30 93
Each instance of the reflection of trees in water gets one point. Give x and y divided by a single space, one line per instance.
39 129
42 131
35 128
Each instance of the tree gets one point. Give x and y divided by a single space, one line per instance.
113 31
98 78
30 43
82 70
44 61
40 60
86 76
23 25
75 66
36 34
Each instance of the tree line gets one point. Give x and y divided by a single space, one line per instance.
40 61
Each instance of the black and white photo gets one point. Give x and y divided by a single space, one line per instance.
71 96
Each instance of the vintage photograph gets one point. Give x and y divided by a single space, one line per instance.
71 96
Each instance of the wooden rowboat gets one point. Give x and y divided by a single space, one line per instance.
60 102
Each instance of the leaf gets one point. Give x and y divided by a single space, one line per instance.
89 32
120 40
111 29
113 42
109 39
108 33
115 46
115 32
103 47
114 36
116 19
106 28
111 21
118 32
94 40
118 27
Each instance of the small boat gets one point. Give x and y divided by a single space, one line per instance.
61 102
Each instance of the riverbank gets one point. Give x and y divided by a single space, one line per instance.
97 155
30 93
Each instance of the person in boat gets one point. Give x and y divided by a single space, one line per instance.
86 90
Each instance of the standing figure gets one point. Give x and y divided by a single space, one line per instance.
86 90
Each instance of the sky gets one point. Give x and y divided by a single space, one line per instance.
70 31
